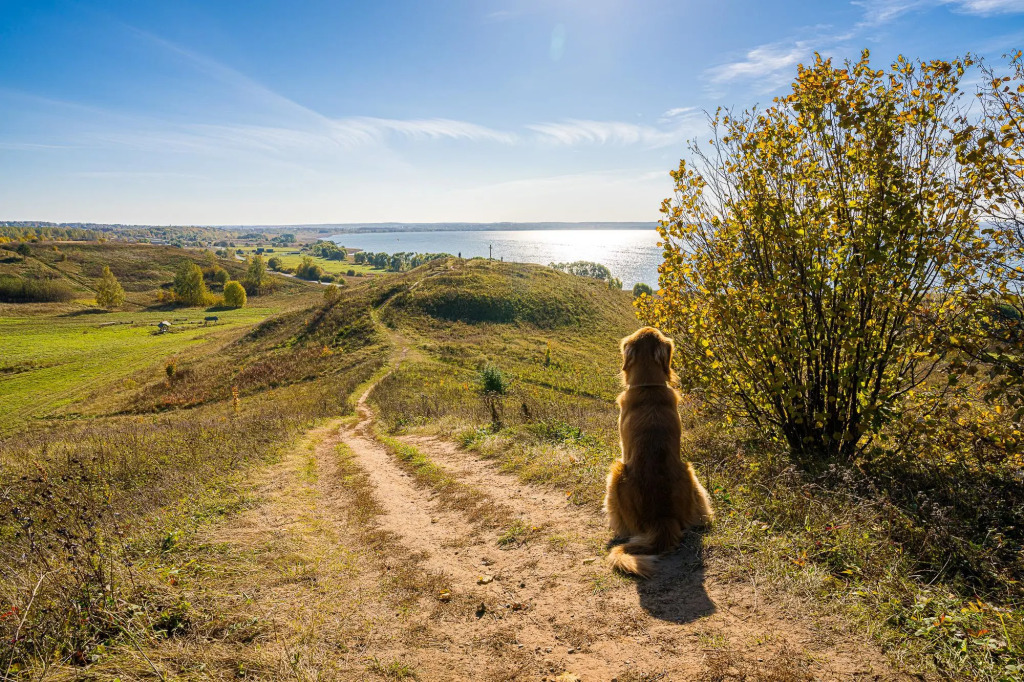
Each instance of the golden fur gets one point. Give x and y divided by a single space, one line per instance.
652 495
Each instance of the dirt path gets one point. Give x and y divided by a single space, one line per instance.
351 568
551 606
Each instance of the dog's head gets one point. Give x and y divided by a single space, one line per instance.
647 357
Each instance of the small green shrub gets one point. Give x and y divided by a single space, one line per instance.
493 381
234 294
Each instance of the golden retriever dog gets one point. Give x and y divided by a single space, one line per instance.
652 496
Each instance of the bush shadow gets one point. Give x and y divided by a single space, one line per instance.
675 593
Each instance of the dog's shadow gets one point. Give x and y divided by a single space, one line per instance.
676 591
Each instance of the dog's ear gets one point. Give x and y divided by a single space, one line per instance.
663 354
628 352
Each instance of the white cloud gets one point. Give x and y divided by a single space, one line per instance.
673 114
877 12
771 63
430 129
989 7
325 137
685 124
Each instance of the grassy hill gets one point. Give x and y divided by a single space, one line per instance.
129 444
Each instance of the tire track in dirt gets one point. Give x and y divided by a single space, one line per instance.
553 606
674 601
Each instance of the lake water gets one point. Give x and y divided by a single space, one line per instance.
631 255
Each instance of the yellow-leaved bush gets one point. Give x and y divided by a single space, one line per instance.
823 256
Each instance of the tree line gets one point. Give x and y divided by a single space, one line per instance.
396 262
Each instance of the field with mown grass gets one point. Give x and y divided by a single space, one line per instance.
50 361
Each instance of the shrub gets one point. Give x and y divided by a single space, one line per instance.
275 264
584 268
220 275
639 289
332 294
24 249
19 290
309 270
493 380
351 272
801 294
494 385
109 293
234 295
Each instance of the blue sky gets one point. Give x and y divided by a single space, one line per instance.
263 112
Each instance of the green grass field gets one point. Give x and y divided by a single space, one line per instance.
290 258
51 361
56 355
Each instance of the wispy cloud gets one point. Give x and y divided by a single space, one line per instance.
331 135
500 15
770 66
772 63
429 129
878 12
989 7
276 126
684 124
673 115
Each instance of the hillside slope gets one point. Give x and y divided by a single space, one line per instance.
329 495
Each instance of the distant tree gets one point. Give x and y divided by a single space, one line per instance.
189 287
584 268
360 257
328 250
219 275
255 275
24 249
615 283
234 294
309 270
275 264
109 293
639 289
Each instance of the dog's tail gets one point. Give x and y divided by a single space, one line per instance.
639 554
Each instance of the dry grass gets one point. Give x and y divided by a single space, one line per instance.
918 549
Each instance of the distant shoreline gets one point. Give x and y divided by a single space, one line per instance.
352 228
372 228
